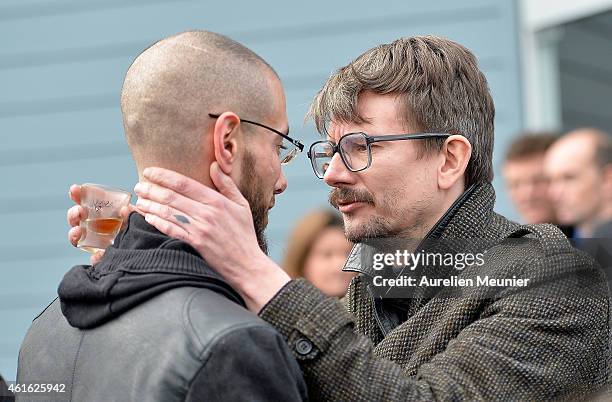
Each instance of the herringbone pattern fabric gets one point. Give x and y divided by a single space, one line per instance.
546 342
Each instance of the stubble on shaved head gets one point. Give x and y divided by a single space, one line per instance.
172 86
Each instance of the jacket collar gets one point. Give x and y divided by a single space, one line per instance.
466 218
141 248
141 264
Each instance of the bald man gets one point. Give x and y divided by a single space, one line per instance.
579 167
152 321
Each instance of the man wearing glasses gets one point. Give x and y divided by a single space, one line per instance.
408 155
152 321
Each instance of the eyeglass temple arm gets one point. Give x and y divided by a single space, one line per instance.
297 143
396 137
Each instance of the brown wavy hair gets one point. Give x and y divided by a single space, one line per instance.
440 88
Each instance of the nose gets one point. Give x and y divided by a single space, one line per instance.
281 184
337 174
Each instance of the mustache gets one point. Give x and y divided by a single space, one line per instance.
347 194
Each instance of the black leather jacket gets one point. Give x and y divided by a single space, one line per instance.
152 322
5 394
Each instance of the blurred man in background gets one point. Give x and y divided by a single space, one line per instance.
525 179
579 167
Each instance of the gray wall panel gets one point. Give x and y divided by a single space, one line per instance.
585 71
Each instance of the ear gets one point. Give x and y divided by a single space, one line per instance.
225 141
455 153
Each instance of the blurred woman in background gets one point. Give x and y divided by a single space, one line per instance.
317 251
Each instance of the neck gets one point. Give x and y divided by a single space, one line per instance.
201 178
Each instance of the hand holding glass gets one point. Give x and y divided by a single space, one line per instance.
103 219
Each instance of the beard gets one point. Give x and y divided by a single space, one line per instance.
377 226
254 194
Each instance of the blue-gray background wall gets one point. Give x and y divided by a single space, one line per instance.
61 69
585 72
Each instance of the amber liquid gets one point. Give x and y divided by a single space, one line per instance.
99 233
104 226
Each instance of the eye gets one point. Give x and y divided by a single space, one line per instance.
357 148
280 148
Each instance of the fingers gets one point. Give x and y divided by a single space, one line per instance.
165 212
181 184
161 195
75 215
125 212
96 257
129 209
171 229
74 235
226 185
75 193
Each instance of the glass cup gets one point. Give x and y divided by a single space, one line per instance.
103 219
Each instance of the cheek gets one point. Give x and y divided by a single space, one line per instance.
269 173
311 265
273 164
398 181
319 262
582 187
383 176
596 180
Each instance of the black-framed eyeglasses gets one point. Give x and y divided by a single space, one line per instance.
355 150
289 148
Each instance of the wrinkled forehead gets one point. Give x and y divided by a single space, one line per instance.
375 114
335 130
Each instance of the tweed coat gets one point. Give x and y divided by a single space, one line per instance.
546 341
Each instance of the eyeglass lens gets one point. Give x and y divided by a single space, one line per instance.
321 156
353 147
288 152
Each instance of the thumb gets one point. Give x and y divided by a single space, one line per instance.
125 212
95 258
226 185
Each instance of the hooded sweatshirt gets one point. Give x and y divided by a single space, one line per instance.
142 263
